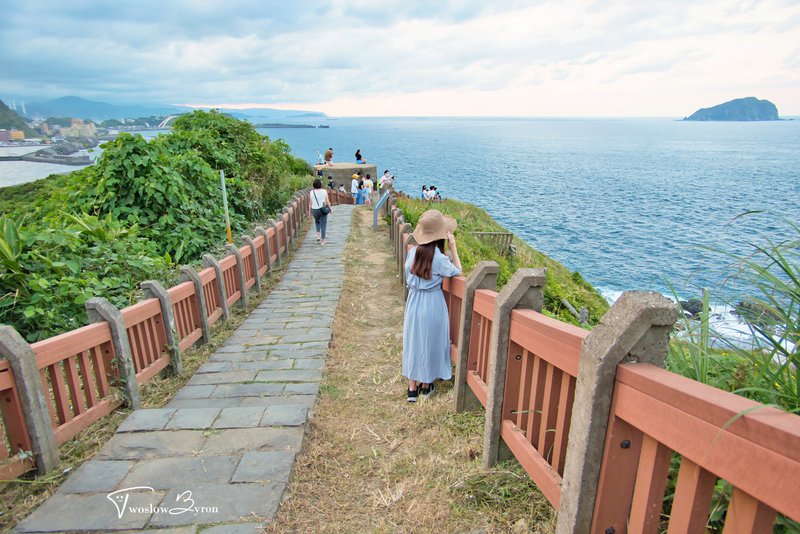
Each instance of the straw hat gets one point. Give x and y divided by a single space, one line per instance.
355 176
432 226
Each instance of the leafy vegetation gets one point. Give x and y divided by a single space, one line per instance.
140 210
562 284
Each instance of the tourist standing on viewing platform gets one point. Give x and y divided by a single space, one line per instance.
354 187
320 208
368 190
426 326
329 156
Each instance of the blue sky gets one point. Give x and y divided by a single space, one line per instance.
407 57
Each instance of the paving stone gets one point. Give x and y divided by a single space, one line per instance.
248 390
303 388
239 417
264 466
251 356
240 440
279 400
205 403
215 367
147 445
194 392
146 419
220 502
236 528
309 363
193 418
186 472
63 512
179 530
285 415
264 366
96 476
304 338
229 377
293 375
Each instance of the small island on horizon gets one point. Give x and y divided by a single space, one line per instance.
740 109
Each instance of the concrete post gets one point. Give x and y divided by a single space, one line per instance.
254 257
99 309
33 404
190 275
392 226
635 329
401 250
240 266
403 280
154 289
484 276
211 261
260 231
524 290
286 224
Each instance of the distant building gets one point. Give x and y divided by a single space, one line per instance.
17 135
79 129
5 135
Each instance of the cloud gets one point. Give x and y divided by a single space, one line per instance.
330 55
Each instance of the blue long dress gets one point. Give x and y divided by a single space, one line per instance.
426 328
360 196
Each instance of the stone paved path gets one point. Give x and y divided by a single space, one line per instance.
222 450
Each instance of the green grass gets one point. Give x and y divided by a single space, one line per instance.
561 282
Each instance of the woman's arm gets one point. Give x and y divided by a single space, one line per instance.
451 246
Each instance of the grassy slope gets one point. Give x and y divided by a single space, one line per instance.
561 282
19 200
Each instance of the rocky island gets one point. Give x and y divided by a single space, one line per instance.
740 109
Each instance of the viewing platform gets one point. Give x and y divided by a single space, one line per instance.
342 172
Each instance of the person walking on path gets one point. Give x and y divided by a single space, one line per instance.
320 208
426 326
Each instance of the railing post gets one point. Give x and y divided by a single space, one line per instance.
211 261
403 279
524 290
484 276
100 309
401 249
33 404
154 289
395 212
254 256
267 252
286 227
240 266
188 274
635 329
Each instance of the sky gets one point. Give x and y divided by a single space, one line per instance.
582 58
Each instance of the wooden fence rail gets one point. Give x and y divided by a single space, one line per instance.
596 421
53 389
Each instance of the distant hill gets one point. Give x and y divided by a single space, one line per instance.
79 108
270 114
9 120
741 109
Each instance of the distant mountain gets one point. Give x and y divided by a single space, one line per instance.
9 120
741 109
79 108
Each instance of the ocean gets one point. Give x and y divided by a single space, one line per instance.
629 203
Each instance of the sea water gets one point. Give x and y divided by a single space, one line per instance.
630 203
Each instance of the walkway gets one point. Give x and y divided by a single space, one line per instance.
222 450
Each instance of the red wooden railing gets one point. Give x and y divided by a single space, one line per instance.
208 277
718 435
453 289
261 254
186 312
75 368
14 436
542 365
247 264
479 346
144 324
230 278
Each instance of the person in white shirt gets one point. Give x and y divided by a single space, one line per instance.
368 190
320 208
354 187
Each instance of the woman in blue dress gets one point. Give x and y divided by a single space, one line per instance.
360 195
426 327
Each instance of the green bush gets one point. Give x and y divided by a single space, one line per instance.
562 284
141 209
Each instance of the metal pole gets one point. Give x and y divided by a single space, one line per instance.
225 204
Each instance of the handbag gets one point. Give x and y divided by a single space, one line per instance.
324 209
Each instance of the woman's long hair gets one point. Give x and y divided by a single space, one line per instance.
423 258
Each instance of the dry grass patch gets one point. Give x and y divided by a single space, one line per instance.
21 496
372 462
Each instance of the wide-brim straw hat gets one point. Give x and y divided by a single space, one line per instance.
432 226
